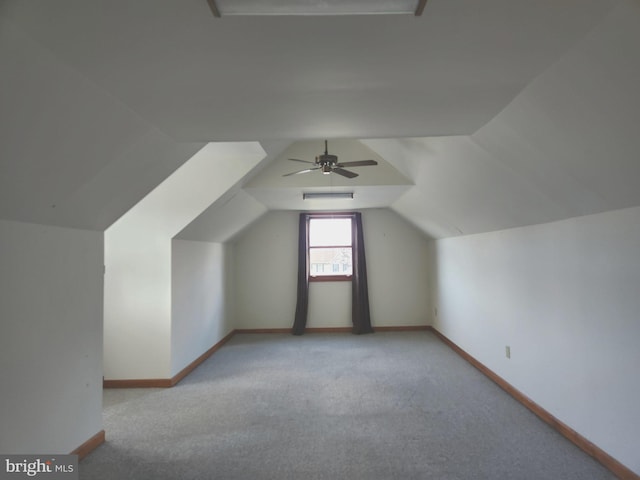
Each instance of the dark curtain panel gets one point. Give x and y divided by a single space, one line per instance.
361 317
302 304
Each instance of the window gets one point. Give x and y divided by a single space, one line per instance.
330 247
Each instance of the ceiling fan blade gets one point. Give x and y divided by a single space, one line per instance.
343 172
298 160
301 171
359 163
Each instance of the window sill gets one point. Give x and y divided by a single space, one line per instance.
330 278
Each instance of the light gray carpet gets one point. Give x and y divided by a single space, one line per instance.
331 406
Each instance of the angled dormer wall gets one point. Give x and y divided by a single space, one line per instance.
138 258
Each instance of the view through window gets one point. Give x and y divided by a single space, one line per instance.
330 248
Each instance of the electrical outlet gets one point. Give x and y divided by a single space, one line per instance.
435 311
507 351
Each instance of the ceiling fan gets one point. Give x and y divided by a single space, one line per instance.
329 163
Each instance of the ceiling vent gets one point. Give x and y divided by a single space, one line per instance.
308 7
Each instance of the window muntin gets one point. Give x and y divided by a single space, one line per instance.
330 248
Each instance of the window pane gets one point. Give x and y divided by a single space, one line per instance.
329 232
330 261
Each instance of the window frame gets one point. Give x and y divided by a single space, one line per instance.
328 215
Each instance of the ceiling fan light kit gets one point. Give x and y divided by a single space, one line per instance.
328 164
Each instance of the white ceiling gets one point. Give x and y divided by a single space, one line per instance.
201 79
535 104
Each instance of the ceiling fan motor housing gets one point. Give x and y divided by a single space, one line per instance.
327 159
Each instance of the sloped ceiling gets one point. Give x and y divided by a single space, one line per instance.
71 154
565 146
497 114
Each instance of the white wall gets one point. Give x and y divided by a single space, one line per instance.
51 343
266 272
565 297
397 268
137 305
200 308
